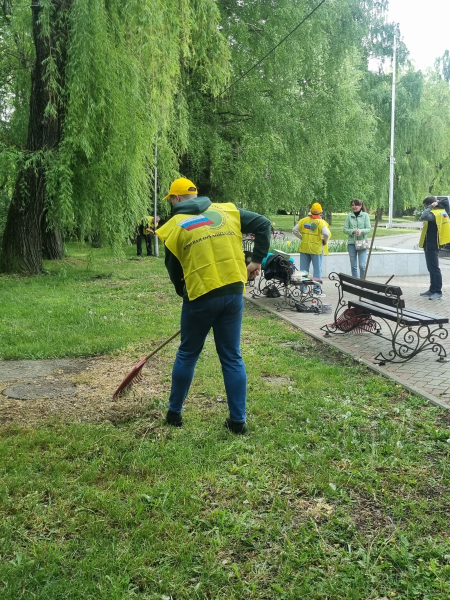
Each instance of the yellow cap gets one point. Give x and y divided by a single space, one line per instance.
316 209
181 187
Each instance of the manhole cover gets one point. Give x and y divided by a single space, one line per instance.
31 390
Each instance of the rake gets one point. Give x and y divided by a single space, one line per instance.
355 320
136 372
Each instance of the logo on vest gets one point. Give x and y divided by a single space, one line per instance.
310 226
195 222
214 219
217 216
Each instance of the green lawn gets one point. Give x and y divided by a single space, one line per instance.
87 304
339 491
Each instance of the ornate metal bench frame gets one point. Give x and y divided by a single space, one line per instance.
406 340
291 293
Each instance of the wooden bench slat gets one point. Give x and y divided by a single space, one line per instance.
409 317
389 314
371 285
421 313
381 311
374 296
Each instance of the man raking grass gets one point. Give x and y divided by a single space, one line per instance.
205 261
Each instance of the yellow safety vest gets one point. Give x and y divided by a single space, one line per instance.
147 222
443 227
311 230
208 246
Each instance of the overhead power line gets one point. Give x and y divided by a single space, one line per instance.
270 51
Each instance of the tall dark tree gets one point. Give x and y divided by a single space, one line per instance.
27 234
105 88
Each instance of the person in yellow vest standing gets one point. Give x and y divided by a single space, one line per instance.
146 231
205 261
314 233
435 233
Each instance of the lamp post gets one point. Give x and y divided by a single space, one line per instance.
391 157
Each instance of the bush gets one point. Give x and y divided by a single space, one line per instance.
293 246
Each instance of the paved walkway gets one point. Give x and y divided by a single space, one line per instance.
403 224
422 375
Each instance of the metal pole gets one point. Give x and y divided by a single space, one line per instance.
391 157
155 203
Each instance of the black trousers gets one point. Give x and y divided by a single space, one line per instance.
147 239
432 260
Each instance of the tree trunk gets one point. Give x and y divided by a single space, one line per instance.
52 242
26 226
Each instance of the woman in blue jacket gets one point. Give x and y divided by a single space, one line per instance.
357 226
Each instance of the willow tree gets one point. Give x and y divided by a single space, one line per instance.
107 84
422 136
296 127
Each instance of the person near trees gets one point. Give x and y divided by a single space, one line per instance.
145 232
435 233
314 234
205 261
357 226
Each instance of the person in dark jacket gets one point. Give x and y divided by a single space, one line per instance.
146 232
435 233
205 261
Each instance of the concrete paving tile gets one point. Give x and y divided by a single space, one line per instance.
423 372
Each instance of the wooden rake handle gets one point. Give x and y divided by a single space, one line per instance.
162 345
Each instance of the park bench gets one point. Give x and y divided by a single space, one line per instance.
408 330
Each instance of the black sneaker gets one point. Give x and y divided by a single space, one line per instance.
234 427
174 419
427 293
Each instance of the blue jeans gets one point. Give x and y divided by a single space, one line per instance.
432 260
357 256
224 315
316 260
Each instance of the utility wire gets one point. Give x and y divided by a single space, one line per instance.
270 51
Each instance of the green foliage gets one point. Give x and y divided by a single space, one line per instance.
124 95
312 122
294 129
422 134
116 78
442 66
16 58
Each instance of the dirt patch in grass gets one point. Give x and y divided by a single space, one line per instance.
92 401
277 380
308 346
368 516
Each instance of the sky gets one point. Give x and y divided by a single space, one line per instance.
425 28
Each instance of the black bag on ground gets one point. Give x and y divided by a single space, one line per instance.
278 267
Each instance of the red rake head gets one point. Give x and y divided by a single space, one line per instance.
133 376
355 320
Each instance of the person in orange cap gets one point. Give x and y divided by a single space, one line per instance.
314 233
205 261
